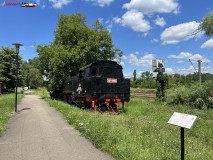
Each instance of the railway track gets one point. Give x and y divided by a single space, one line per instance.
143 94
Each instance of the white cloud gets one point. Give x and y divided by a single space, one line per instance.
186 70
100 19
145 61
134 20
124 57
137 52
116 19
208 44
138 73
101 3
180 61
118 61
169 71
130 74
187 55
208 69
122 63
109 25
153 6
22 48
32 46
180 32
191 70
38 2
154 40
60 3
160 21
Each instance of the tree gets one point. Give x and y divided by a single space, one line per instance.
206 25
75 45
8 67
134 74
162 83
32 75
35 78
146 75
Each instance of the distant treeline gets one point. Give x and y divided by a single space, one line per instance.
174 80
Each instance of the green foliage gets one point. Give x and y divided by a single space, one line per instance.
144 90
146 75
143 83
142 132
8 67
32 75
162 83
7 107
35 77
76 44
206 25
134 74
177 80
194 96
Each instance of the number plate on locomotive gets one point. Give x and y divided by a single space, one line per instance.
110 80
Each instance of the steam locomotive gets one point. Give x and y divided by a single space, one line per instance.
99 86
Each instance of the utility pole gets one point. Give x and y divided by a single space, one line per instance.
199 71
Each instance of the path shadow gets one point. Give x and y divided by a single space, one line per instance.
23 109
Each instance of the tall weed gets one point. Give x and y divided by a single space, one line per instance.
195 96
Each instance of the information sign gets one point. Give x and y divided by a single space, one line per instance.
182 120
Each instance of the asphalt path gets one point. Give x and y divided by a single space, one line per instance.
39 132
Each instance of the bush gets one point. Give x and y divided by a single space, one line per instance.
143 83
195 96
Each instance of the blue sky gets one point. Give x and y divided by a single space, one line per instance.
142 29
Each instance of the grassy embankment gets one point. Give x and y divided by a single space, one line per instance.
7 108
142 132
143 90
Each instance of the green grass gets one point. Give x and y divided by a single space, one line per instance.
7 108
144 90
142 132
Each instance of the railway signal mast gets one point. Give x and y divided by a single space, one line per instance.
158 65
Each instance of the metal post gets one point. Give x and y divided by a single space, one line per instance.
199 71
122 106
17 45
16 81
182 143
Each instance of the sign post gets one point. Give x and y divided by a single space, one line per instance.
182 143
184 121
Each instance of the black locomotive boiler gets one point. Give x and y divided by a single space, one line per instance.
99 85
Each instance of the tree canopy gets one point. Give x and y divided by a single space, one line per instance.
32 75
134 74
206 25
75 45
8 67
146 75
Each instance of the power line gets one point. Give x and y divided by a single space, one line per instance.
205 67
193 65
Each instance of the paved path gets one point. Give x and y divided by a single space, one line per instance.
39 132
